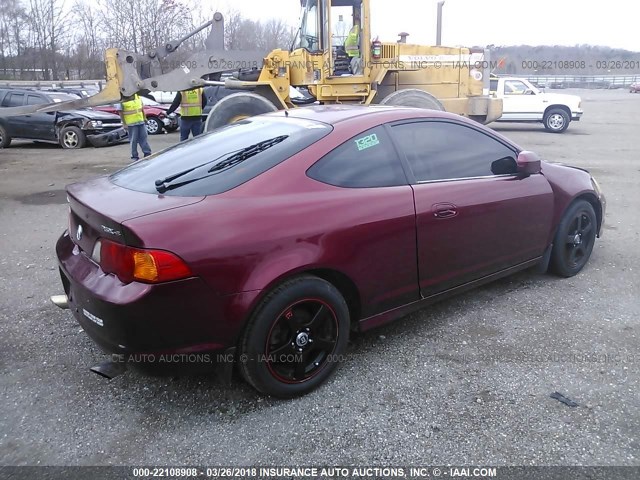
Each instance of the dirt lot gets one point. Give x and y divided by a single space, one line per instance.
467 381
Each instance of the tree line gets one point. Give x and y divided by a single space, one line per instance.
66 39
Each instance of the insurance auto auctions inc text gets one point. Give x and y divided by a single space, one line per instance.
375 472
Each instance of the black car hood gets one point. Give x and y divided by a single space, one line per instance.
90 114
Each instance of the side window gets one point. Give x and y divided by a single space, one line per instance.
514 87
493 85
366 160
442 150
35 100
13 100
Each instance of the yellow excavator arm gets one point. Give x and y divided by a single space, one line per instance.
128 73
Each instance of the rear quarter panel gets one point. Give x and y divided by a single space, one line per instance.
283 223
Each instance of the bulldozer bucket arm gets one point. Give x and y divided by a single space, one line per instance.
129 73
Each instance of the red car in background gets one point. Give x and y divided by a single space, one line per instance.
635 87
273 238
157 118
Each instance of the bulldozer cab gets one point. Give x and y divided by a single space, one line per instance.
336 33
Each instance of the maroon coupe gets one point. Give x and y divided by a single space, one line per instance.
271 239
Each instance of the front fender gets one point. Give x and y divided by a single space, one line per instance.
568 184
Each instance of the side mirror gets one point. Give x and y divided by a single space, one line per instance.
528 163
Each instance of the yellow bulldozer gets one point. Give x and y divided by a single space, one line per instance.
325 65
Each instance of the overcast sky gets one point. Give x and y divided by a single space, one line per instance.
612 23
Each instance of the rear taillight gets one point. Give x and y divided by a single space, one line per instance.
136 264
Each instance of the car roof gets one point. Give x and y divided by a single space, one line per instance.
354 116
19 89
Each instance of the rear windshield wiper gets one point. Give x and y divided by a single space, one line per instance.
170 178
246 153
236 157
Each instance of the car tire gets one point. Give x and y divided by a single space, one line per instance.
237 107
72 138
5 139
413 97
295 337
154 126
574 239
556 120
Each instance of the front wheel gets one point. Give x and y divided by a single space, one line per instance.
556 120
72 137
574 239
295 338
154 127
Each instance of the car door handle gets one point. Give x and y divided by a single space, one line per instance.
446 213
444 210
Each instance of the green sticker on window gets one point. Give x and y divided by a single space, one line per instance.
367 142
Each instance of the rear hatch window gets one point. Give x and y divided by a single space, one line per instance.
223 159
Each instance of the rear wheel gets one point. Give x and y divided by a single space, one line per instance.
237 107
72 137
5 140
412 97
574 239
295 337
154 127
556 120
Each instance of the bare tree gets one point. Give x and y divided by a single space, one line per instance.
276 34
232 33
88 41
47 22
12 16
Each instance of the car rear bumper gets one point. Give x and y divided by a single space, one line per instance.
105 139
182 319
575 116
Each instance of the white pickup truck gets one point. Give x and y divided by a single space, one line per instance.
523 102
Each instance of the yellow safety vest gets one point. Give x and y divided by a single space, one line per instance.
191 105
132 111
352 43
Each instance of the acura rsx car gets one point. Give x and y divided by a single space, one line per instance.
271 239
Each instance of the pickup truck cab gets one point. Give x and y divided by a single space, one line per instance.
523 102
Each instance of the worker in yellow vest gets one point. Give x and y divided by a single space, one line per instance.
132 114
191 103
352 44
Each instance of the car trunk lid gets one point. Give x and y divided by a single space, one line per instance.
98 209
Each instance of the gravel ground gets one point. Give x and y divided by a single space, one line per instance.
467 381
